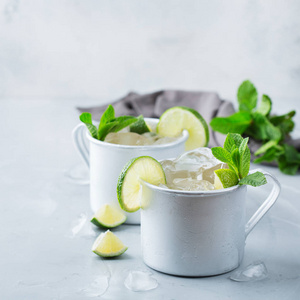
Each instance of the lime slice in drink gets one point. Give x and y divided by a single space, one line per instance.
108 245
139 126
129 186
225 178
108 216
174 120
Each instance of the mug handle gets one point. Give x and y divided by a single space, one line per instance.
268 203
80 142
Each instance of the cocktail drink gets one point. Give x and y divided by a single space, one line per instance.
193 220
116 140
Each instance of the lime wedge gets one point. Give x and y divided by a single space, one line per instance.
225 178
108 216
139 126
129 186
108 245
174 120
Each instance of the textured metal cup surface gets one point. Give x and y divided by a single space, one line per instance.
193 234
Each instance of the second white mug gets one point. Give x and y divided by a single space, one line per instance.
106 162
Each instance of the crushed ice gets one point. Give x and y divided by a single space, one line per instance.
97 288
139 281
253 272
78 174
192 171
81 227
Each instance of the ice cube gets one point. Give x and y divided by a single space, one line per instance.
193 170
189 184
139 281
127 138
78 174
209 175
253 272
81 228
196 160
164 140
96 288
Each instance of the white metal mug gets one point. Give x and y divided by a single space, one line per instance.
195 233
106 161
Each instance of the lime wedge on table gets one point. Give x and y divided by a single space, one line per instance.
174 120
108 216
225 178
140 126
108 245
129 186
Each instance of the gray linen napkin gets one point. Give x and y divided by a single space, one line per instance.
152 105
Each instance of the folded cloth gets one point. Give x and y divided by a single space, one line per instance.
152 105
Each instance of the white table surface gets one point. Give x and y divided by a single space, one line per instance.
41 259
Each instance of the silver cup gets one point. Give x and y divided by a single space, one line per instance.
195 233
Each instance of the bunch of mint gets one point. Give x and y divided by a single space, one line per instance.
258 123
236 154
108 123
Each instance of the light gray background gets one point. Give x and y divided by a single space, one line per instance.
55 55
103 49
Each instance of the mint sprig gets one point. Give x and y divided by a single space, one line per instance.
108 123
236 154
256 121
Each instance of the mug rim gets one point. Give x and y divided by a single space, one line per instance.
193 193
182 139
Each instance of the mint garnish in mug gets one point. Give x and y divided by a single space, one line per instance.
236 154
108 123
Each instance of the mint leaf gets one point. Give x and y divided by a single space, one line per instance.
123 122
232 141
255 179
229 143
291 154
109 123
86 118
237 123
260 125
245 163
245 157
284 122
266 147
270 155
263 129
105 130
224 156
243 146
287 167
235 156
276 120
247 96
107 116
265 105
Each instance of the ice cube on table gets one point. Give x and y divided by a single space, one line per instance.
81 227
253 272
139 281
